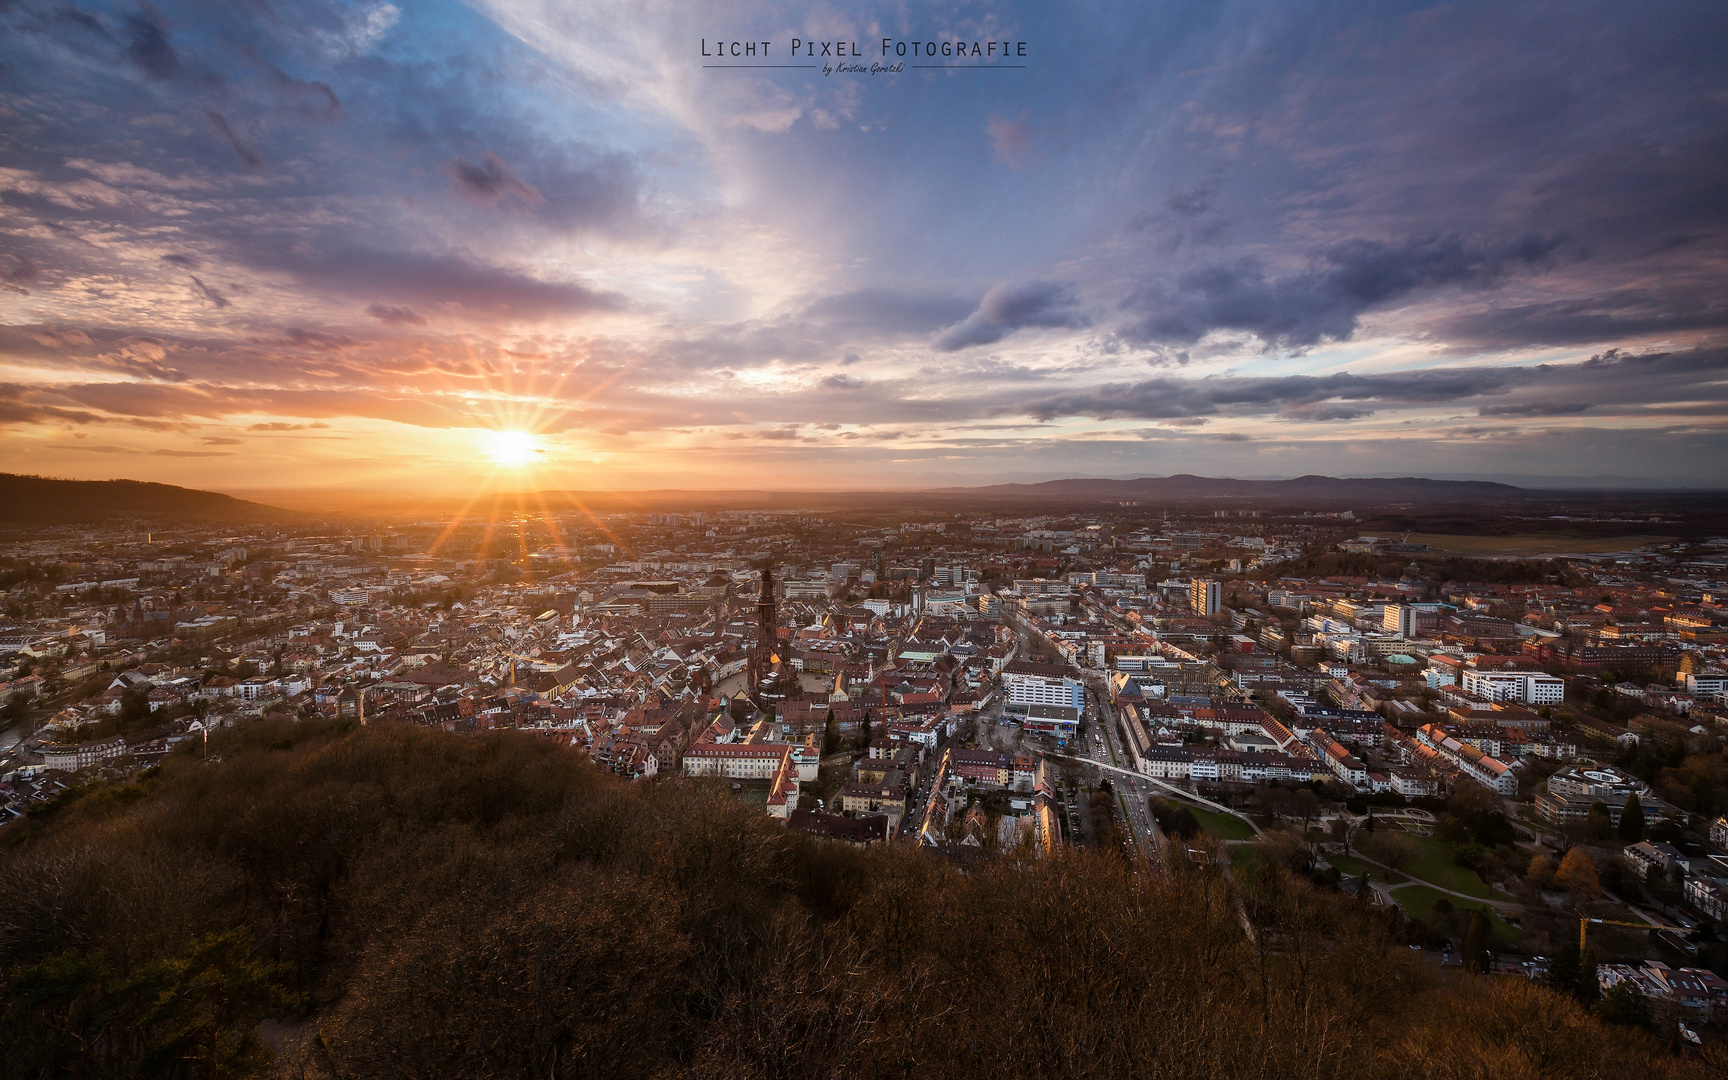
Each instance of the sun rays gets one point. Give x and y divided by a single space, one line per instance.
512 449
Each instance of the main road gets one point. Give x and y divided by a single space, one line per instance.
1102 739
1097 736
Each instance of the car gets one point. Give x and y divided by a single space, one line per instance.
1415 948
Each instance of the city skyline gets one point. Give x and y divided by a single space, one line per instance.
528 245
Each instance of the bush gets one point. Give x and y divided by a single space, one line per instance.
1540 873
1183 823
1577 874
1394 850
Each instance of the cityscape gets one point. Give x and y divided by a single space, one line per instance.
777 541
1509 744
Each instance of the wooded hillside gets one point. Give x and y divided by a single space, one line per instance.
28 501
398 902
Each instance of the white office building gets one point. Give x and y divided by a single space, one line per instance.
1707 684
1529 687
1036 690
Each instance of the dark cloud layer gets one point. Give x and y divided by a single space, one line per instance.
1321 397
1673 383
1009 308
431 281
1325 301
147 43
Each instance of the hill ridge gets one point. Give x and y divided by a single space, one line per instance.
27 499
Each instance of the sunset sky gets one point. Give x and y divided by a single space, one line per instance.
375 246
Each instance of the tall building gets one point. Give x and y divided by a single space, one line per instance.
762 656
1400 619
771 675
1205 596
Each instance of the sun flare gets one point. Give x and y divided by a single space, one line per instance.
511 449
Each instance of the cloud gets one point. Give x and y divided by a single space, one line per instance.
1195 201
1324 411
1610 315
217 440
783 433
23 272
209 293
395 316
147 43
1536 408
1321 303
1310 397
248 156
1009 308
22 404
491 180
603 236
1644 385
277 425
312 97
317 339
101 448
411 279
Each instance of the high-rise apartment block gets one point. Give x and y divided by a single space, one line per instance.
1205 596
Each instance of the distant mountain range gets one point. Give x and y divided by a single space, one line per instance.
1185 487
35 500
27 501
1328 493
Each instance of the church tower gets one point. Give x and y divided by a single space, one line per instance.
763 658
772 677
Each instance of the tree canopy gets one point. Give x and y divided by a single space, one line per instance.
402 902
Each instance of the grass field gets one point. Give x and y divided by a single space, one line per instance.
1530 545
1228 826
1435 866
1419 900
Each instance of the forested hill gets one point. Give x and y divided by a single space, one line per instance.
38 500
399 902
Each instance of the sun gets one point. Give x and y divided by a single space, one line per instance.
511 449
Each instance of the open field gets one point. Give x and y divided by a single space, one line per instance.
1435 866
1532 545
1227 826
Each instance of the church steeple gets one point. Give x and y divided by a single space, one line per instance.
762 657
771 675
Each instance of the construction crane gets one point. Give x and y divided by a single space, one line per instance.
1584 922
